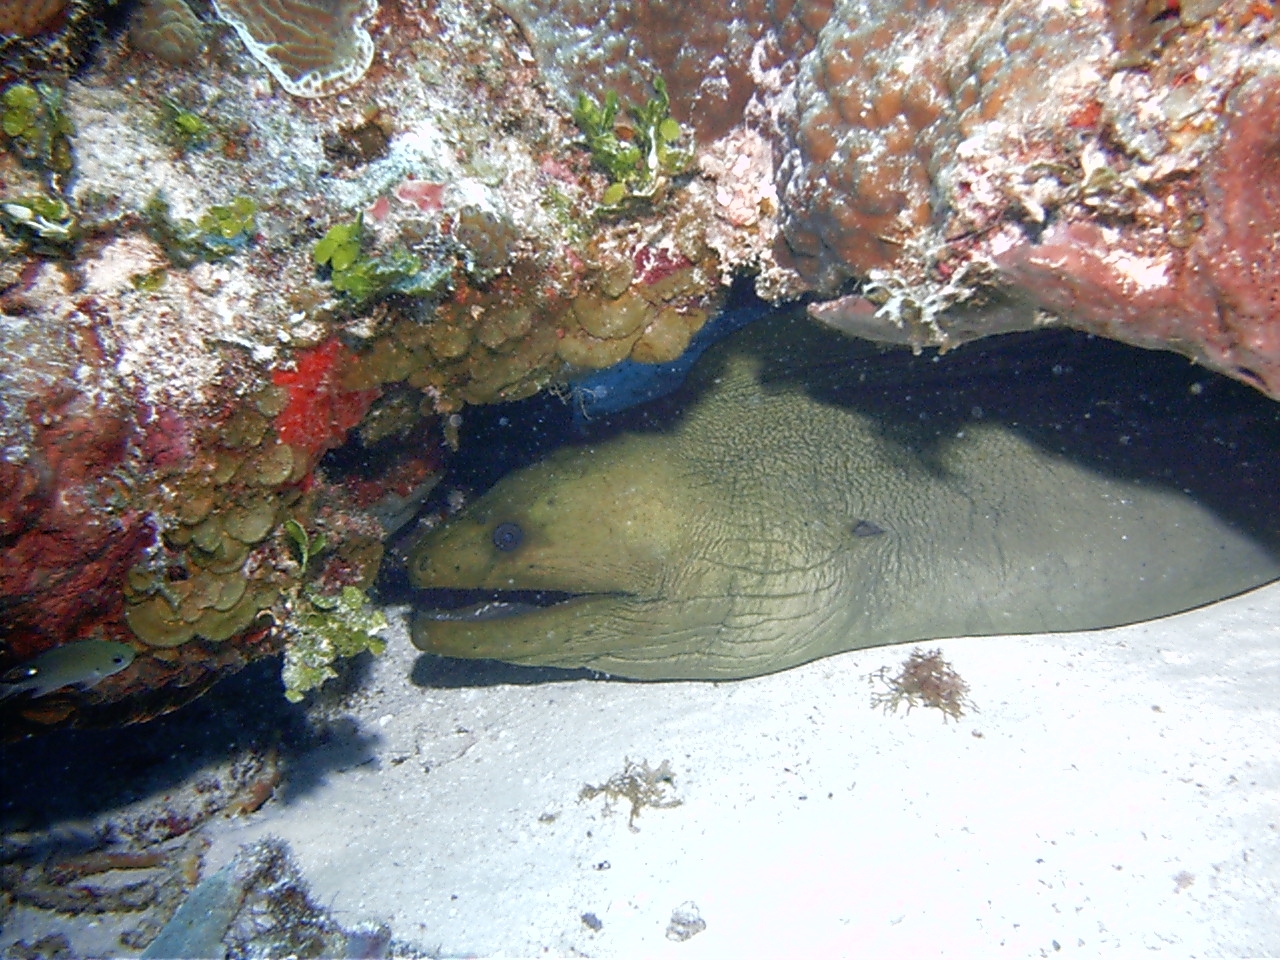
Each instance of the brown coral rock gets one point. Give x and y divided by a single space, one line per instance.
1219 300
167 29
703 51
884 101
27 18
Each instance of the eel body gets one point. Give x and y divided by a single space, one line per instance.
813 496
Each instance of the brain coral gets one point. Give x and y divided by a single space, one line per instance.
315 48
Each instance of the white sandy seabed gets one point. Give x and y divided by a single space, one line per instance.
1117 792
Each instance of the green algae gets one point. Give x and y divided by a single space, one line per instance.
641 159
339 249
362 278
322 629
306 546
151 281
231 222
37 128
186 129
221 231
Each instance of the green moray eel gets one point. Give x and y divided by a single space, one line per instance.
815 496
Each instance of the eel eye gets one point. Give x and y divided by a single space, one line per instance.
507 536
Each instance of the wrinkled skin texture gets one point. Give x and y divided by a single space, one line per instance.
791 514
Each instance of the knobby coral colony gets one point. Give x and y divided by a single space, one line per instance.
205 292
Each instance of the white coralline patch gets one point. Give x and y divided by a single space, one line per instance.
120 155
115 266
1145 273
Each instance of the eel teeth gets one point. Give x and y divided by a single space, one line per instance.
489 610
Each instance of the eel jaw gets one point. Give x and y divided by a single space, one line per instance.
540 628
477 605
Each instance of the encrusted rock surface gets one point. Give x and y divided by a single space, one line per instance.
202 292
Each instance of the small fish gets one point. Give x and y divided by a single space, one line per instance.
82 664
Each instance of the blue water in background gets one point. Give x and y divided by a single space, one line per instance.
627 384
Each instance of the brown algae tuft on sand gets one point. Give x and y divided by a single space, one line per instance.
641 785
926 680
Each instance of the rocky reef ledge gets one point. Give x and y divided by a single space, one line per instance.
240 234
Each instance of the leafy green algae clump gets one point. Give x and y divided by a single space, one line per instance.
640 160
220 232
184 128
36 126
322 629
362 278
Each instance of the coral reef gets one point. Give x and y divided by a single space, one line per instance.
887 105
707 55
47 39
204 292
314 48
1213 288
1052 170
486 239
945 155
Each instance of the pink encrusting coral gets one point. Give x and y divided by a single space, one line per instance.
422 194
1219 298
1239 248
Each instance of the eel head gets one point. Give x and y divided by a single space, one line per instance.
558 563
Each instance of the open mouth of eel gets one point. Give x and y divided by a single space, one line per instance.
473 606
